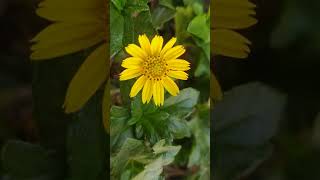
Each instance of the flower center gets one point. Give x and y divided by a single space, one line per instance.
154 67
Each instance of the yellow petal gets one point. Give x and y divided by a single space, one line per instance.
72 14
156 93
239 22
130 73
178 64
147 91
178 75
106 107
136 51
233 3
179 68
90 76
81 4
221 35
64 38
215 93
137 86
132 62
156 44
229 43
168 46
170 86
234 53
233 14
145 43
174 52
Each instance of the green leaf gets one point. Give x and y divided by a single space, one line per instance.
155 126
134 7
119 4
161 15
136 160
205 46
128 19
199 27
165 122
182 103
160 148
203 67
197 8
182 19
153 170
116 30
195 156
138 110
130 148
190 2
126 175
125 88
167 3
200 152
136 25
178 127
152 120
119 117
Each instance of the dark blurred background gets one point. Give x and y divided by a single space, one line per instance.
19 24
285 56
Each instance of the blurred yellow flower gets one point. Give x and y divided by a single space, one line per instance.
227 16
155 66
230 15
215 93
76 26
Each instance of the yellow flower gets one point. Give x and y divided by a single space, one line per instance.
155 66
215 93
230 15
227 16
76 26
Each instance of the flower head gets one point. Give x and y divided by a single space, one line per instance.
154 65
